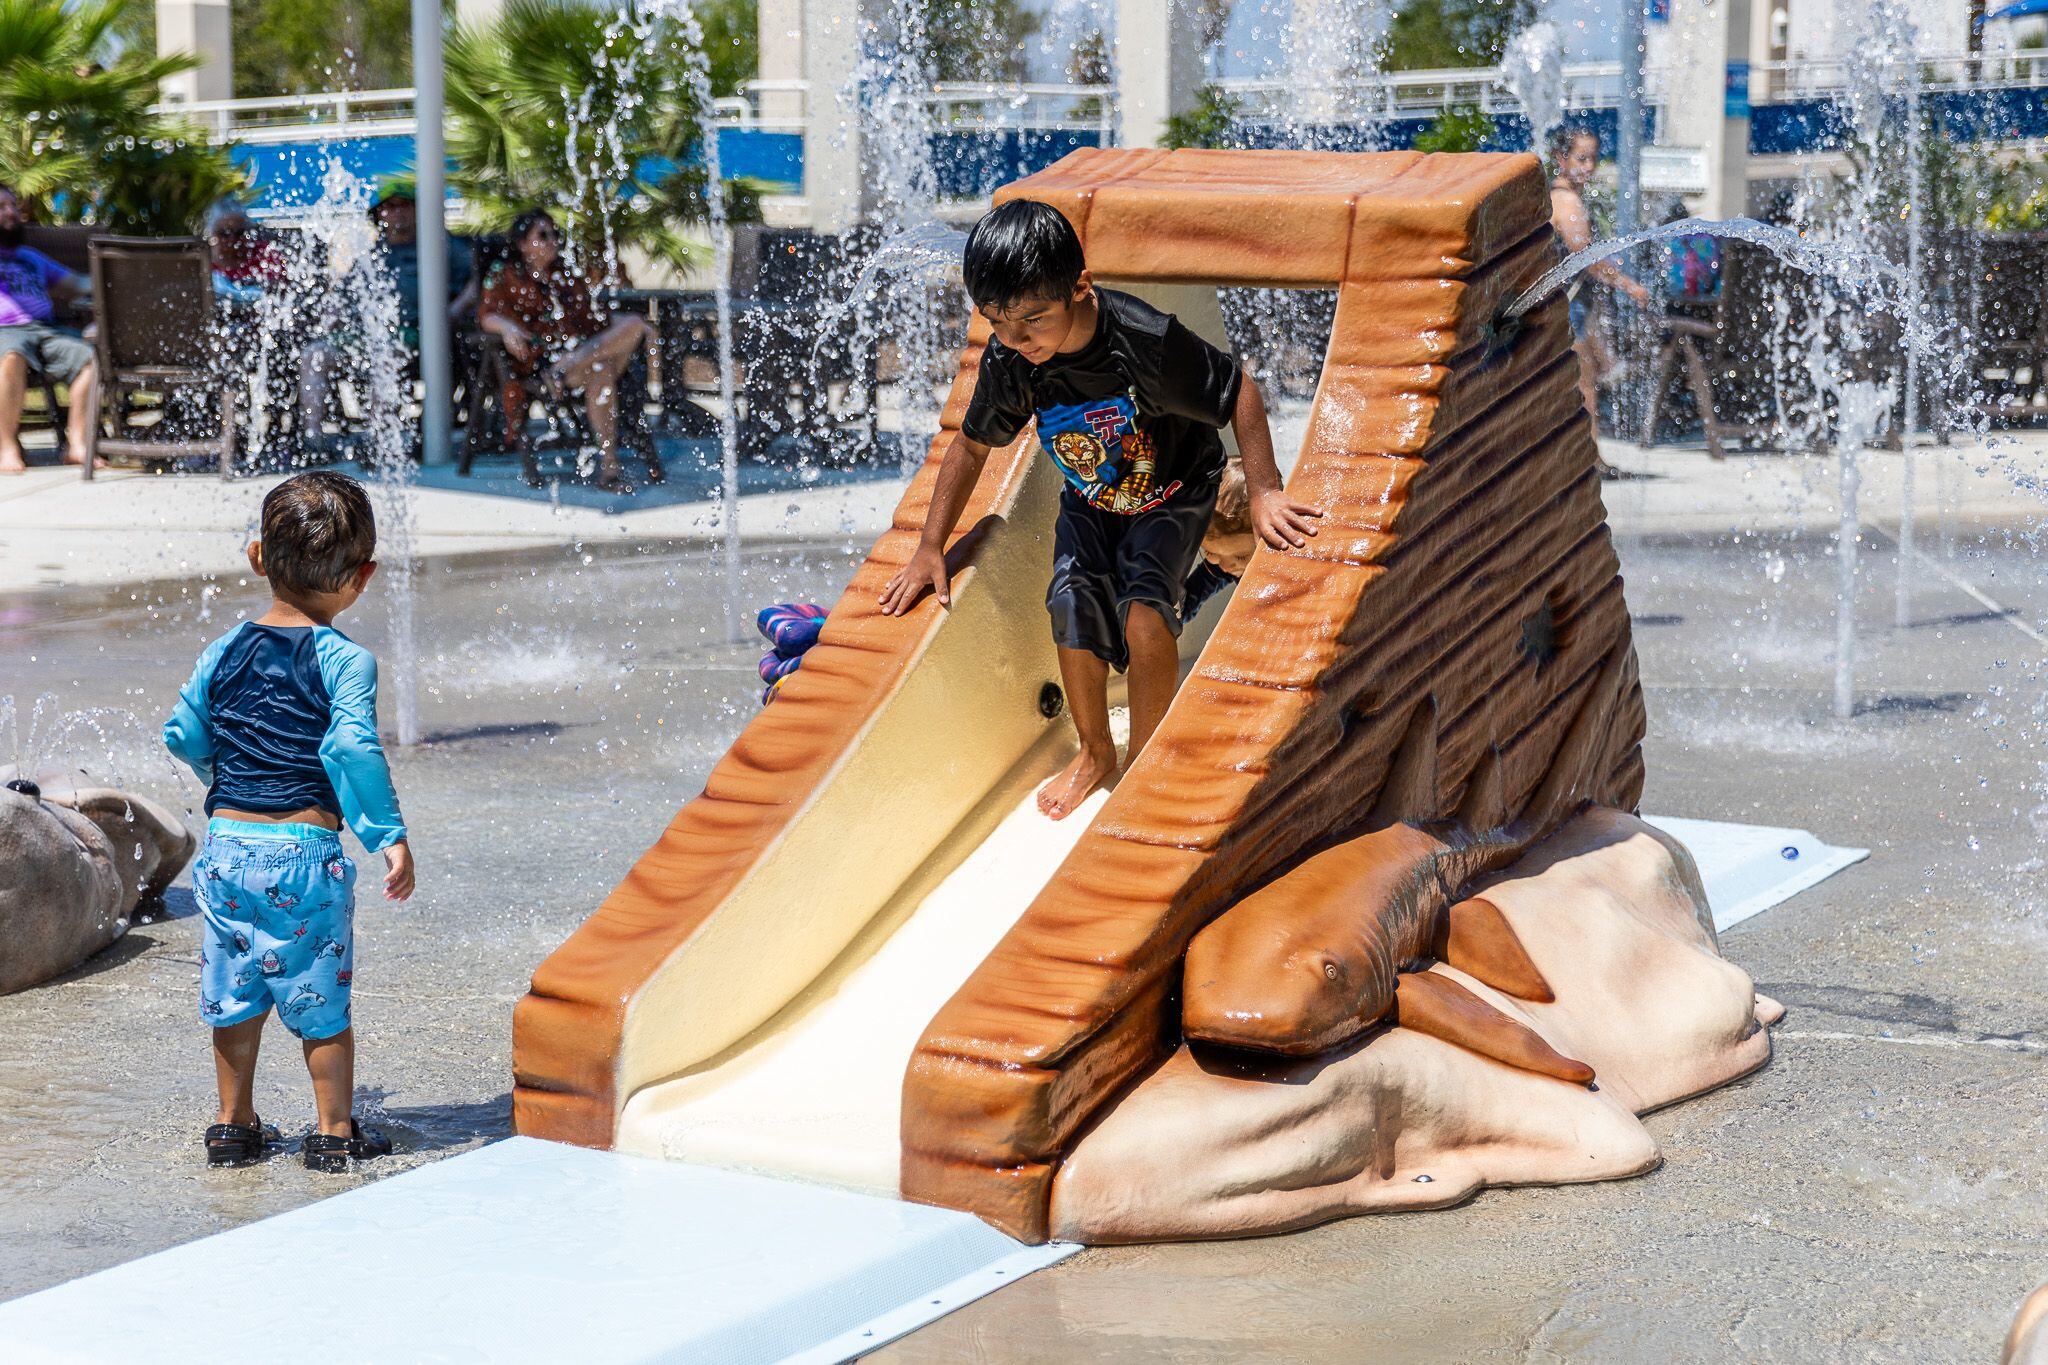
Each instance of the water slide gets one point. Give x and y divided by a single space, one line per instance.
815 1090
859 958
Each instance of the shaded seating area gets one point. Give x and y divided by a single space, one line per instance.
785 282
2011 298
166 390
1738 365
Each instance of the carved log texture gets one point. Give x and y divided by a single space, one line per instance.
1464 562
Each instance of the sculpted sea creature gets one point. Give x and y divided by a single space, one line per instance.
76 865
1337 945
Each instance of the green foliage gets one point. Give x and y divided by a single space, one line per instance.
1208 124
76 136
297 47
979 40
732 43
293 47
1429 35
587 114
1460 128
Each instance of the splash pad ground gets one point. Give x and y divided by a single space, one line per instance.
1897 1108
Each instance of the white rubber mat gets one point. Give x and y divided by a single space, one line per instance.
528 1250
1750 868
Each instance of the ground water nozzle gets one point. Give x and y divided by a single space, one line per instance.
25 787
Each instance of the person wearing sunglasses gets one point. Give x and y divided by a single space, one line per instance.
557 336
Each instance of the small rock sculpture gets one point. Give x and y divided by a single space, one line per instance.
74 864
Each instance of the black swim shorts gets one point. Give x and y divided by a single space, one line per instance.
1103 562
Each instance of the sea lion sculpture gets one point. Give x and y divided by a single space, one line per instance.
74 865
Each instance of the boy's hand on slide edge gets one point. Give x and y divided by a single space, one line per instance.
1281 522
398 872
926 569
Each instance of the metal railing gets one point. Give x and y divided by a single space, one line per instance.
1418 94
1819 77
280 118
780 105
382 113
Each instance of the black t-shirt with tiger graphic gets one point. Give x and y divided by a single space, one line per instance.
1128 418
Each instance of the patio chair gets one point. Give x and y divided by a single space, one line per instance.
2012 324
489 423
154 300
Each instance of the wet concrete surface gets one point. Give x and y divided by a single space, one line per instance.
568 709
1878 1191
1875 1193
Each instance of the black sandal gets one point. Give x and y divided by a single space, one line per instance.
325 1152
238 1144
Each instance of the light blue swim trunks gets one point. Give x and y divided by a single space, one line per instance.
279 905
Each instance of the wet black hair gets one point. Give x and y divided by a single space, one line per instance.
1568 134
1021 250
318 528
527 222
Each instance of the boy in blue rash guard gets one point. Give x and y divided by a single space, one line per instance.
280 721
1127 402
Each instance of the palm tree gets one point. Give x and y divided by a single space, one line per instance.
77 138
586 112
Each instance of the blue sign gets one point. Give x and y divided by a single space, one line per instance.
1735 96
1657 11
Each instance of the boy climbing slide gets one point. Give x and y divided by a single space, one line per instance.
1128 403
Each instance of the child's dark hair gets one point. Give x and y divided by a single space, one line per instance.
1233 514
1021 250
526 222
1567 136
318 528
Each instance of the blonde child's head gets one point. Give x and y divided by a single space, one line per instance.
1229 542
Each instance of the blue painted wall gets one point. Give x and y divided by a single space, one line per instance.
1962 115
288 173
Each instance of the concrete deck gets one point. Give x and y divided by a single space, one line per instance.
1876 1193
56 530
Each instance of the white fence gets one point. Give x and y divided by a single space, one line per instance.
779 106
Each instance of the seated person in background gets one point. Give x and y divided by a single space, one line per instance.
396 215
245 262
556 336
30 285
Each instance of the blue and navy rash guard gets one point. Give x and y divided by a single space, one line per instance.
282 718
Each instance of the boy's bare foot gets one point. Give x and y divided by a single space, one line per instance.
11 461
1063 795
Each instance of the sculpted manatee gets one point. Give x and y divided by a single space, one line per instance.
73 867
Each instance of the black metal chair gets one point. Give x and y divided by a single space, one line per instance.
487 367
156 335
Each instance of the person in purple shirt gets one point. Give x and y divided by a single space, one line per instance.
31 284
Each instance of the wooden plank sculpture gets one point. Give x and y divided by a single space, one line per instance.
1429 695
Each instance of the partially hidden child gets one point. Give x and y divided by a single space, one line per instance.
280 721
1129 403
